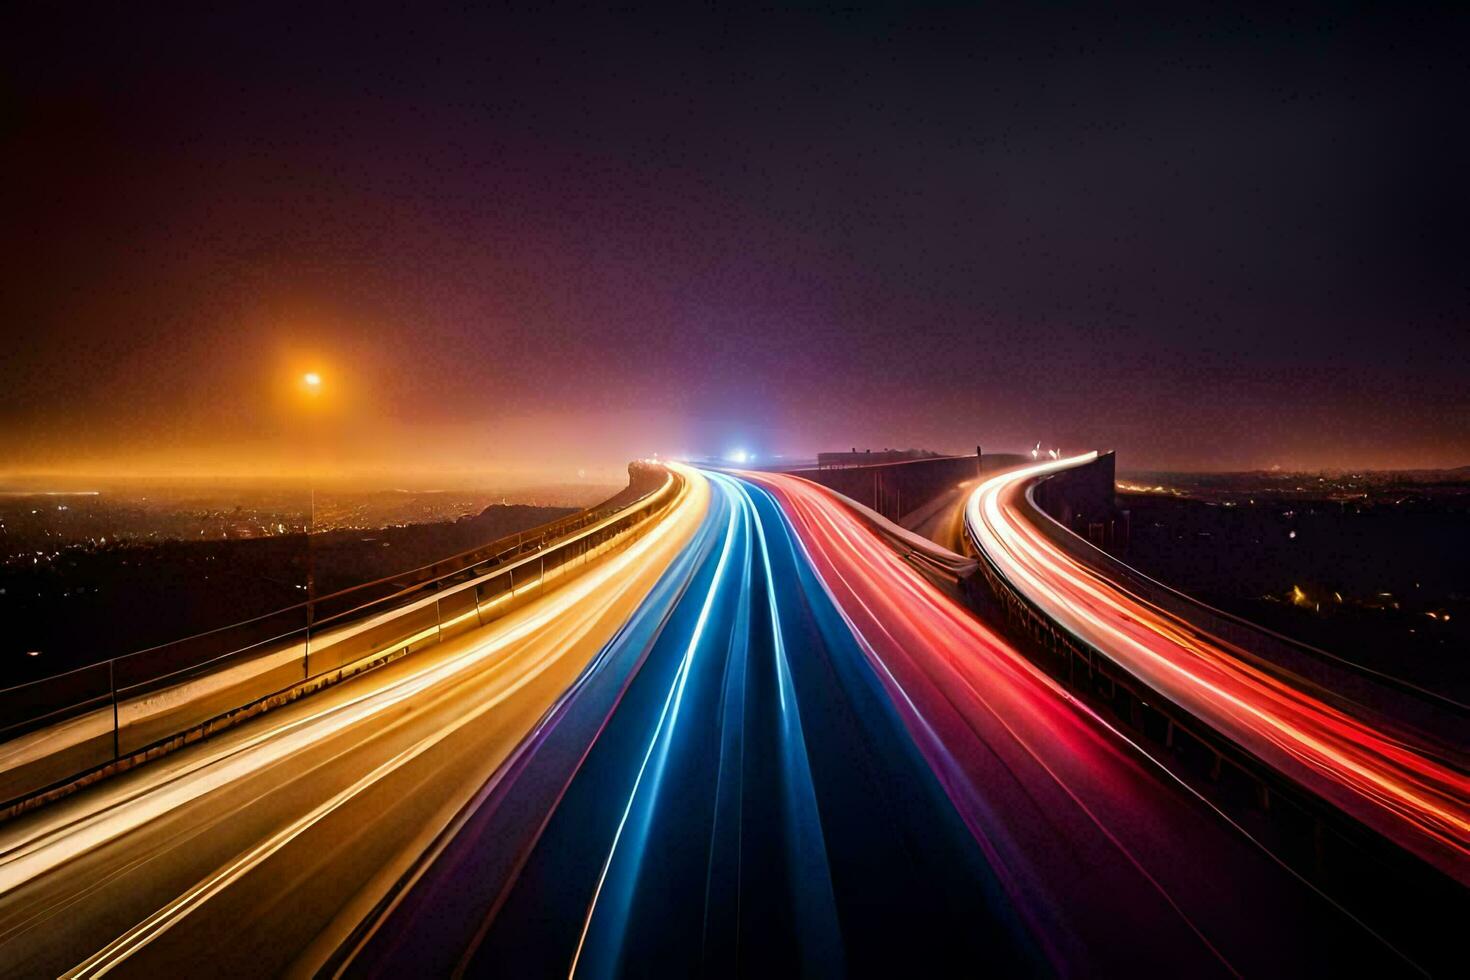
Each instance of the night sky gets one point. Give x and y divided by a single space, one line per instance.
1208 242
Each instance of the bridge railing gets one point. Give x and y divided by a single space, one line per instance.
57 729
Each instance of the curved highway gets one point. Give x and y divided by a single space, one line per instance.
1388 781
756 741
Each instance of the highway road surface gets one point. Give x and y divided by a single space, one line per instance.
823 764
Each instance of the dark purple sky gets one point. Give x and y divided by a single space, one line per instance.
1207 241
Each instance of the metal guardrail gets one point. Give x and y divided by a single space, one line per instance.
56 729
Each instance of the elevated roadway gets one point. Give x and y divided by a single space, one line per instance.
1409 786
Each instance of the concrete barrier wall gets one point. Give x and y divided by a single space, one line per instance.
896 489
1083 499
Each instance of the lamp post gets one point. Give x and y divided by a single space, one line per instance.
311 381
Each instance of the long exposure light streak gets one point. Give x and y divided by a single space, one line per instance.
668 717
1384 780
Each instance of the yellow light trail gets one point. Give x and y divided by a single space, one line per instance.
475 697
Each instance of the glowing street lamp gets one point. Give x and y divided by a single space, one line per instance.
312 382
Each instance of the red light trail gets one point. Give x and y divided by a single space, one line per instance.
1387 781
